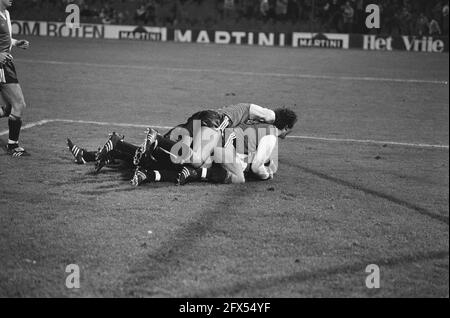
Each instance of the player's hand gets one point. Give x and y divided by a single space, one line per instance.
5 57
23 44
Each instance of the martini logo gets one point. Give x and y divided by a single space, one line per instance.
140 33
322 40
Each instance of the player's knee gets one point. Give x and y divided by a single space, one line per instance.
18 108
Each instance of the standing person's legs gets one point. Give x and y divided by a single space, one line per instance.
13 96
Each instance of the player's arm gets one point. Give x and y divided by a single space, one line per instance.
21 44
263 156
262 114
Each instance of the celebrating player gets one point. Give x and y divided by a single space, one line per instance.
12 102
245 149
249 149
214 123
233 115
256 155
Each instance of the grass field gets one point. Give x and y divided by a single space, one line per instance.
337 204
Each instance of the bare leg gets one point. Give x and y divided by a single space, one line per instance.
12 94
227 158
5 107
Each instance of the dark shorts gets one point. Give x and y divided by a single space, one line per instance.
8 74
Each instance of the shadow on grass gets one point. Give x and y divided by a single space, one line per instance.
406 204
114 179
165 260
299 277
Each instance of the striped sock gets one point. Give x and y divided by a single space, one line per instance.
76 150
109 146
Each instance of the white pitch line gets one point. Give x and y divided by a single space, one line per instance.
100 123
343 140
242 73
30 125
369 141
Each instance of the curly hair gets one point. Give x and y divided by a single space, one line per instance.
285 118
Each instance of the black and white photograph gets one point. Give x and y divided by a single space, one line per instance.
224 154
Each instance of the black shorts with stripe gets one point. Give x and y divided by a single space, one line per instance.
8 74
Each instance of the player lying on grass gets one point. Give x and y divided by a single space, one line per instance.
251 152
248 149
154 155
130 155
159 163
218 120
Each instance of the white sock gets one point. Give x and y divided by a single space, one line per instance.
157 176
204 173
12 142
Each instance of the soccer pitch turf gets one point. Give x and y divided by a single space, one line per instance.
364 179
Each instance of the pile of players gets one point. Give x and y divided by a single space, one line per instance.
220 146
